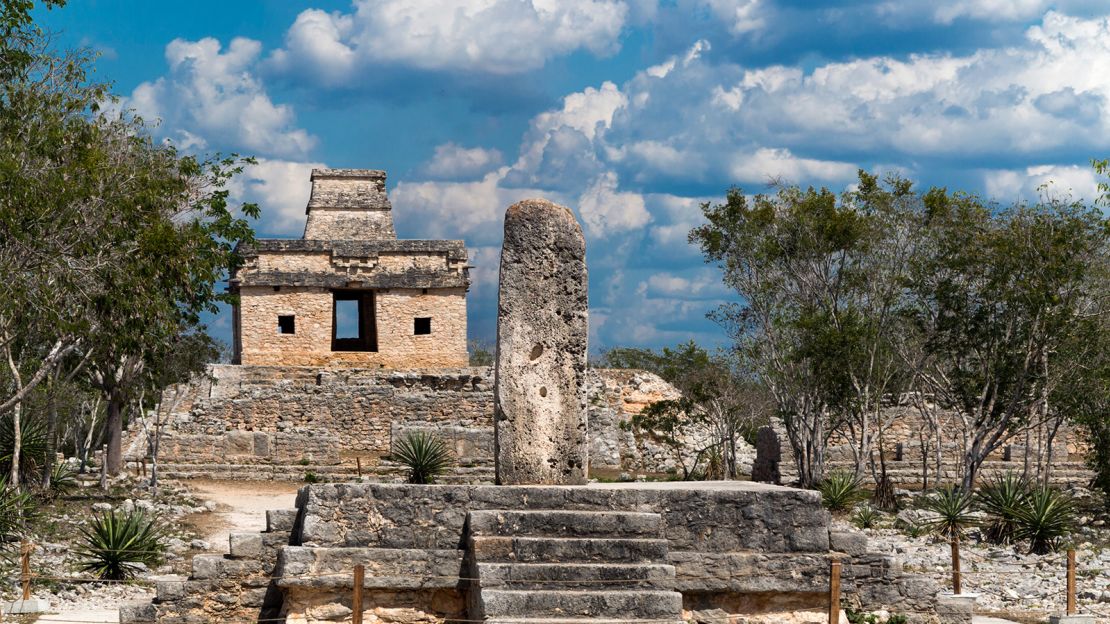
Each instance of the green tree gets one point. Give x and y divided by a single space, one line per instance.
793 259
718 396
997 298
112 244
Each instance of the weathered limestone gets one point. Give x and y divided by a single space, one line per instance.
624 552
542 328
348 204
270 422
350 294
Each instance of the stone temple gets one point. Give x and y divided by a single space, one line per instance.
544 547
349 293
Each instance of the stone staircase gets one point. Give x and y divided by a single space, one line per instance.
559 566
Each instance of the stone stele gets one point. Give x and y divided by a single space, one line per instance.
542 327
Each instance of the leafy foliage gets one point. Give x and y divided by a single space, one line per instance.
63 479
15 507
1046 519
719 396
32 433
952 507
865 517
840 490
424 454
481 353
116 545
1002 500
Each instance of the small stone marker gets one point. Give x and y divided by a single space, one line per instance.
542 328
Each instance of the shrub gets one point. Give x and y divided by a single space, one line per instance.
32 450
840 490
16 506
116 545
952 507
1001 499
865 517
1045 519
425 455
311 477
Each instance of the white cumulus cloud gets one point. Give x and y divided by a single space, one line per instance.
211 96
455 162
485 36
606 210
1031 183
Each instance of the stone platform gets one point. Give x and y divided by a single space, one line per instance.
595 553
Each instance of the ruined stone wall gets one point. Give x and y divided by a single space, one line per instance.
912 464
310 345
254 420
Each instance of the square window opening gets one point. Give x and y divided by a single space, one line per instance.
353 323
422 326
287 324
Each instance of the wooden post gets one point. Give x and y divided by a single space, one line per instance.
358 466
1071 581
956 566
834 592
25 568
356 601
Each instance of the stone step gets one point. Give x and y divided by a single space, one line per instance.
567 549
598 576
591 620
562 523
502 603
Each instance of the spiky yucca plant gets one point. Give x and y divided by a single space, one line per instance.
1001 499
1046 518
952 507
32 446
16 506
117 544
840 490
425 455
866 517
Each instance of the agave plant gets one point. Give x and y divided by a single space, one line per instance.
1046 518
117 545
951 507
840 490
32 448
865 517
16 506
1001 499
425 455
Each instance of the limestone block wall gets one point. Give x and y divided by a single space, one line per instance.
739 546
238 420
310 344
911 468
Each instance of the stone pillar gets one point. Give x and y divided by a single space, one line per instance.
542 327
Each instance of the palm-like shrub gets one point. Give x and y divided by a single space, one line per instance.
15 507
116 545
840 490
63 479
425 455
865 517
1001 499
951 507
32 449
1046 518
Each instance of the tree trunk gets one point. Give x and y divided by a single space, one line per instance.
17 413
114 429
51 431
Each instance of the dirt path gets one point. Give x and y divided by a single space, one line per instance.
240 506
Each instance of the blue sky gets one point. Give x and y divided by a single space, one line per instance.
632 112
